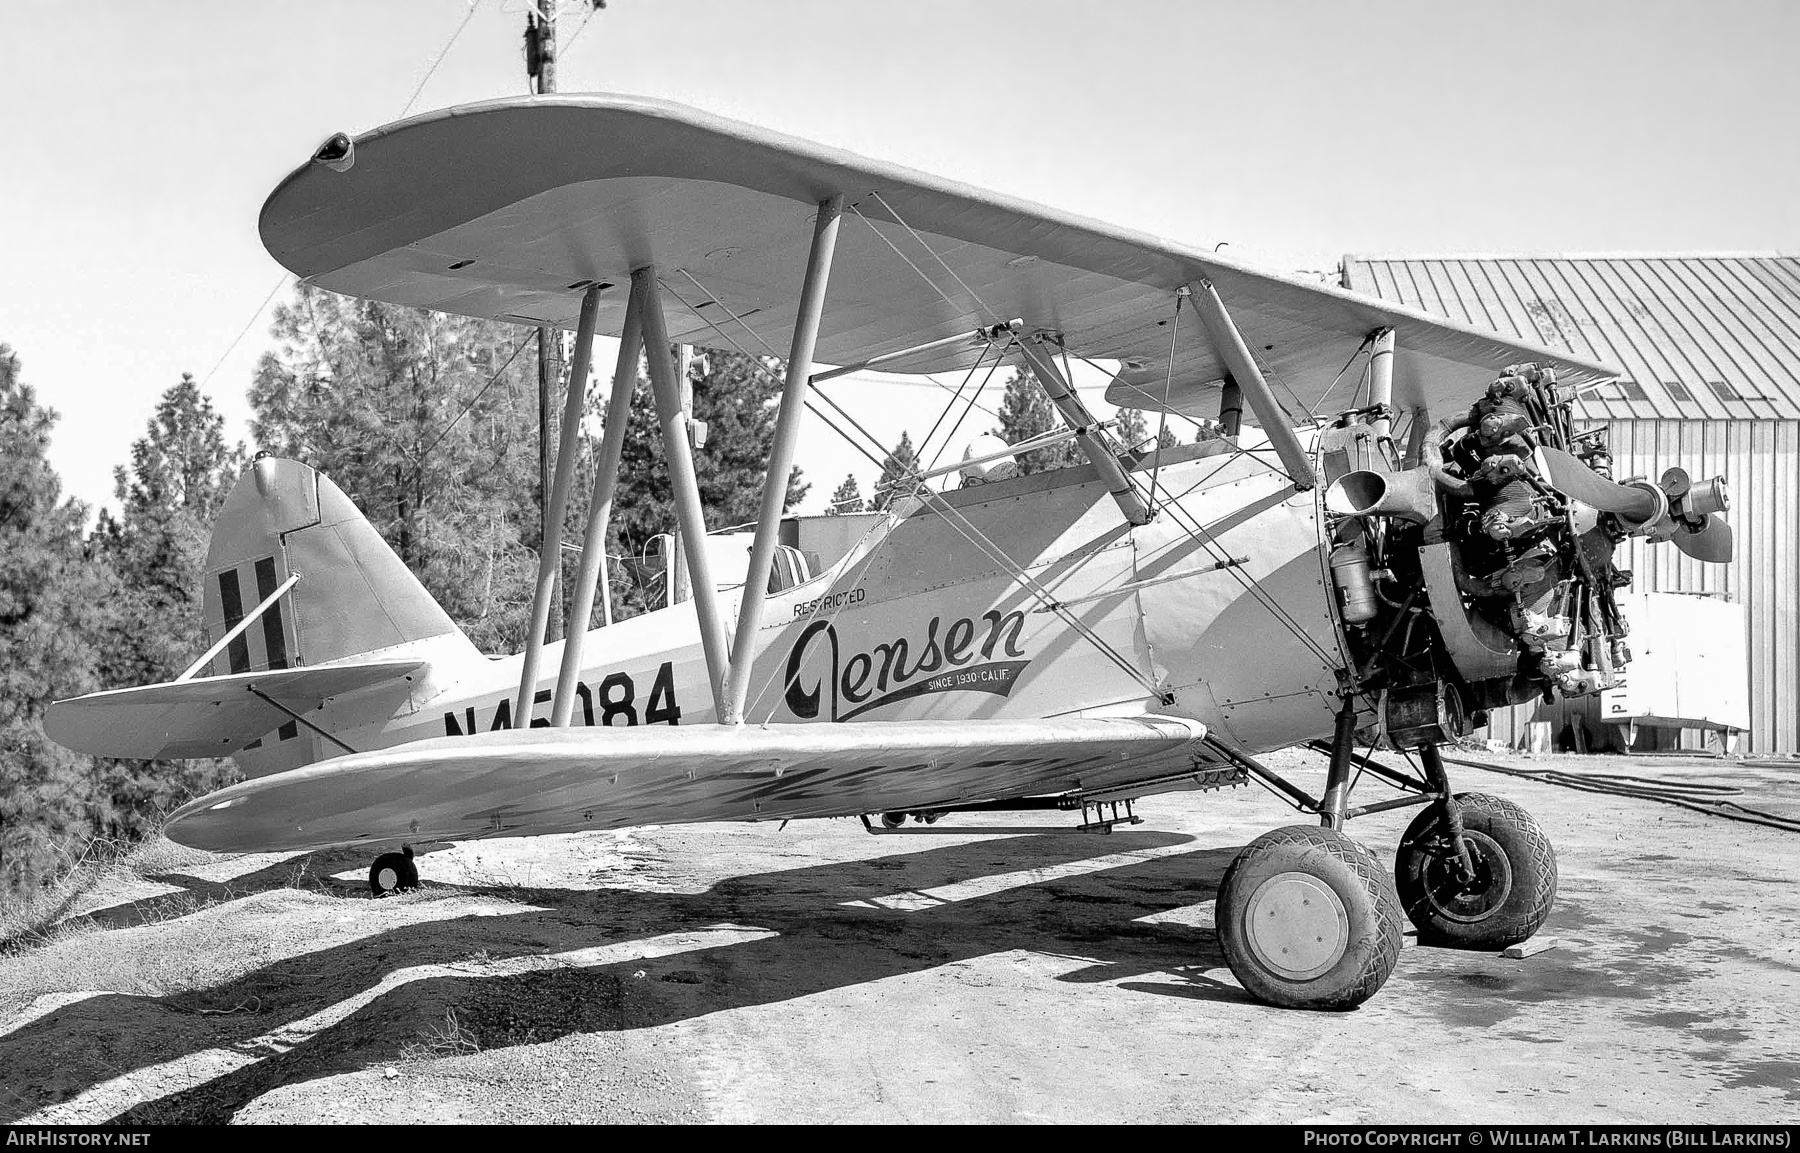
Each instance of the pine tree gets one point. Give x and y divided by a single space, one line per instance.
1026 412
53 601
1134 430
429 423
902 462
737 403
846 498
180 474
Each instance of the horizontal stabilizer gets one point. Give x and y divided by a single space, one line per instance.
217 716
529 781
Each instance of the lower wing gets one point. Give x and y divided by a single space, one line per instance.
531 781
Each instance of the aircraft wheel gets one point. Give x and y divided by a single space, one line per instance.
892 820
394 873
1308 920
1515 876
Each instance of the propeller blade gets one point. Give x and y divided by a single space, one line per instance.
1577 480
1711 544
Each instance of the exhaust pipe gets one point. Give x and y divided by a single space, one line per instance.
1405 495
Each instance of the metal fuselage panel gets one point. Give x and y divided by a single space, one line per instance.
927 618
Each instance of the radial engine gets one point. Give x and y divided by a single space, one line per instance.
1478 572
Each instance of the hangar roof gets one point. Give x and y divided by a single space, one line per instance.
1701 336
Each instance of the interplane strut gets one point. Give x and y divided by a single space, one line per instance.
1228 342
689 515
593 544
550 548
781 455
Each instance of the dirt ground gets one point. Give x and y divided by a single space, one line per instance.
971 973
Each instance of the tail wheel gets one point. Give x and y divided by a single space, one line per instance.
1513 889
393 873
1308 920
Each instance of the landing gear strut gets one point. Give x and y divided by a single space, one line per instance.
394 873
1307 917
1309 920
1495 892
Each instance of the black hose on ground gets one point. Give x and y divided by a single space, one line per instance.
1692 795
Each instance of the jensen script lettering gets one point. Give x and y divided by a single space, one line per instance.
897 670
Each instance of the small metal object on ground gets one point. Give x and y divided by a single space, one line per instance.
1529 948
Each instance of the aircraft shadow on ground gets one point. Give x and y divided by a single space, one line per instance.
818 943
307 871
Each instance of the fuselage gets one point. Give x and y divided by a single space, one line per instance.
1027 598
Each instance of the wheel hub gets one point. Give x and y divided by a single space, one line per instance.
388 879
1296 925
1468 901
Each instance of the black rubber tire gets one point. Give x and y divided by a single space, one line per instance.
892 820
1515 883
393 873
1368 906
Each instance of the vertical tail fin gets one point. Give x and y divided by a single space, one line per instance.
355 597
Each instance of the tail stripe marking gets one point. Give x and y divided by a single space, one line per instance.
274 628
274 631
238 652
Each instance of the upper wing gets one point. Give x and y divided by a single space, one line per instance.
510 209
525 781
218 716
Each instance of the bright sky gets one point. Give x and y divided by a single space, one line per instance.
141 139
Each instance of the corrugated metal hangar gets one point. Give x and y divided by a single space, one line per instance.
1711 348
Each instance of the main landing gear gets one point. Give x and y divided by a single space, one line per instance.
394 873
1309 919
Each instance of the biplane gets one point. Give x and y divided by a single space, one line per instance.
1403 531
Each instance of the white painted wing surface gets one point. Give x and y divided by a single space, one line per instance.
520 782
510 209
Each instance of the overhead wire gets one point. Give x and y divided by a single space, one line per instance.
442 52
589 19
286 276
243 332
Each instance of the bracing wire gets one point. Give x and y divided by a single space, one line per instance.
992 315
950 437
923 275
980 540
925 442
1162 422
770 376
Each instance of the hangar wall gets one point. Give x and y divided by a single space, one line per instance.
1711 349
